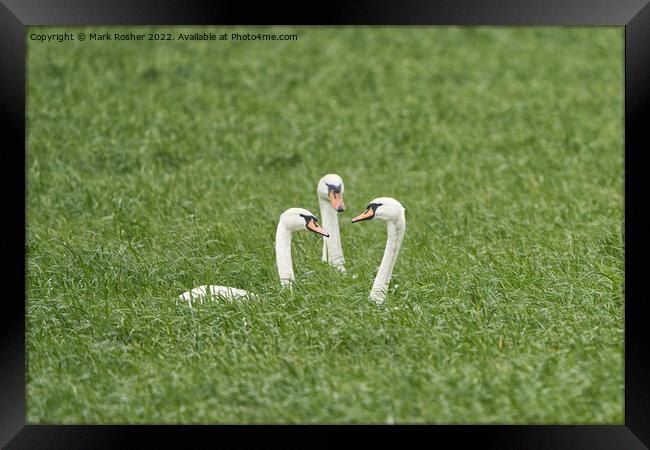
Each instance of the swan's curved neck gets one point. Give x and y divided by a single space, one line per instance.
283 255
332 250
396 231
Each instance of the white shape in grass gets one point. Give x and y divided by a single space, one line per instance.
330 197
215 291
292 220
392 212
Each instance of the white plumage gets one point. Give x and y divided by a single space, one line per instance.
292 220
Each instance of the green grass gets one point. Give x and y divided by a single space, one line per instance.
155 167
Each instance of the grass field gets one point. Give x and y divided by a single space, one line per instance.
155 167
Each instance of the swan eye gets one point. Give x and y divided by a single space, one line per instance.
373 206
332 187
308 218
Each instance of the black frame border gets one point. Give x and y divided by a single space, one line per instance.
634 15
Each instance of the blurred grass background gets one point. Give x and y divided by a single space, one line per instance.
155 167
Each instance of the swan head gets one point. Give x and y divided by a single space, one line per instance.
330 188
297 219
383 208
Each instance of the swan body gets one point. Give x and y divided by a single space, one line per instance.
330 197
392 212
215 291
292 220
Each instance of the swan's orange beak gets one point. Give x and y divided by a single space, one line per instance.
313 226
337 201
367 214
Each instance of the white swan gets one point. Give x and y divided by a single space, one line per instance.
392 212
330 196
293 219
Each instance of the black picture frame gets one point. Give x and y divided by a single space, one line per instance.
634 15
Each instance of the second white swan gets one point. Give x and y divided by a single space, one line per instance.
392 212
292 220
330 196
